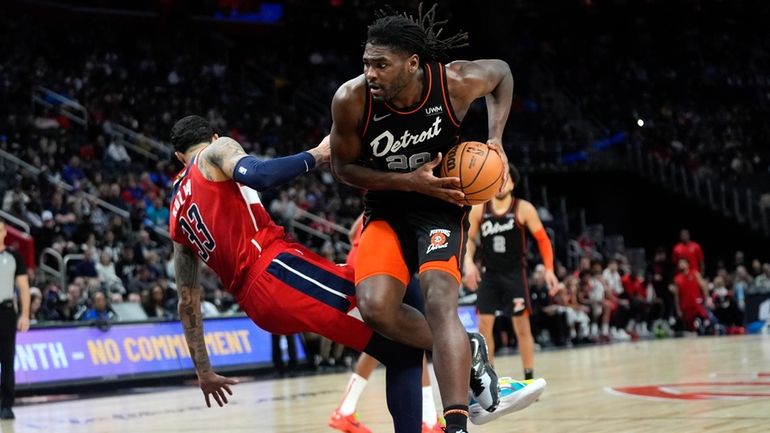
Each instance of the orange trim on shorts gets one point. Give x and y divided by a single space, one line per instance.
449 266
379 253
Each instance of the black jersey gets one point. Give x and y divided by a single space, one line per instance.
503 239
404 140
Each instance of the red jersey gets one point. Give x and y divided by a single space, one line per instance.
633 286
224 222
691 252
688 285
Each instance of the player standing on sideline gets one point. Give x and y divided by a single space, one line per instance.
391 126
689 250
217 217
501 224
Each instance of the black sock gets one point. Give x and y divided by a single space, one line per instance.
456 418
529 374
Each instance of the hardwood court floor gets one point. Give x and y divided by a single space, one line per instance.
691 373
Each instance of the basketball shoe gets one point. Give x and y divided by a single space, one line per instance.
515 395
347 423
484 385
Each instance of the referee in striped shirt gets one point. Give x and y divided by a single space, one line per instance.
13 273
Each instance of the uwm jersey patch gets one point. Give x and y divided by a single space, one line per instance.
223 222
403 140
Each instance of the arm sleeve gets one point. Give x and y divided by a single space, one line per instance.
265 174
544 245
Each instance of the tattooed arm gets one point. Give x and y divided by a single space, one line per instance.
225 159
186 266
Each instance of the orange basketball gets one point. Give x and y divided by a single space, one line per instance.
479 168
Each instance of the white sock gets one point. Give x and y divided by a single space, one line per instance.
352 393
429 415
605 329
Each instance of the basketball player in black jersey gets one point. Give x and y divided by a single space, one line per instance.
501 224
391 126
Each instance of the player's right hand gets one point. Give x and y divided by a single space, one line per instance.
425 182
471 277
215 385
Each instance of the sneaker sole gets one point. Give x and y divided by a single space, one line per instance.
513 403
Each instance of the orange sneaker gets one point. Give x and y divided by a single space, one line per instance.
437 428
347 423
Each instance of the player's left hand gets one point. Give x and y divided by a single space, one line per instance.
215 385
497 145
23 325
552 282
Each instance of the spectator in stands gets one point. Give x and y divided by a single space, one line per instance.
726 307
741 284
44 236
689 250
100 310
155 305
111 246
141 281
87 266
72 173
109 279
143 245
117 154
762 281
62 213
157 214
36 313
126 266
75 304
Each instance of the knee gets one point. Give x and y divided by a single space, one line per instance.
375 309
441 298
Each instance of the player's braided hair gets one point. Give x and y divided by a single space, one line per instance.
411 35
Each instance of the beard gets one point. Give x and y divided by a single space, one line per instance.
399 84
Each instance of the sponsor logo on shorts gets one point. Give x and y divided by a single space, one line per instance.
438 239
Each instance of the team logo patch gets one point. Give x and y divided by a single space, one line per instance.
438 239
518 305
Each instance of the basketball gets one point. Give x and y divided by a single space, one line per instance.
479 168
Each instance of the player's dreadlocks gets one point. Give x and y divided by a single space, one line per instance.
414 36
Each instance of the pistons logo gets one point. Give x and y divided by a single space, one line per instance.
438 239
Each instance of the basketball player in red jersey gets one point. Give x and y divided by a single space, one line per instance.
692 296
501 225
217 217
689 250
391 126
